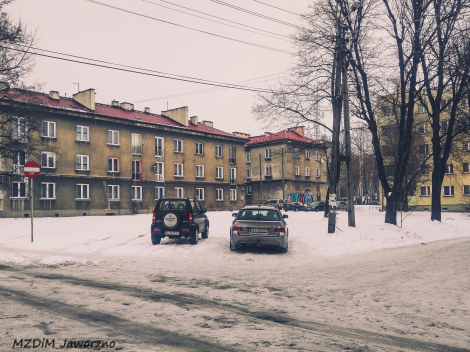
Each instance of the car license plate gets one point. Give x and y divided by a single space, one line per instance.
172 233
258 230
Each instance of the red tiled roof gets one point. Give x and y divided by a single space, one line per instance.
281 136
206 129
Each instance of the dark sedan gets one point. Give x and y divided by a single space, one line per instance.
317 206
295 206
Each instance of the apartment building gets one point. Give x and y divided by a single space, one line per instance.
99 159
285 165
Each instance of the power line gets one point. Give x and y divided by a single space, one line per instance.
277 8
254 13
278 36
193 29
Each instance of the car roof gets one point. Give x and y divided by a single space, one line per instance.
262 207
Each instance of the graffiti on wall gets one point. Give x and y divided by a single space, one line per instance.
304 198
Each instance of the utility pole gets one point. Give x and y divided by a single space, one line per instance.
283 185
260 180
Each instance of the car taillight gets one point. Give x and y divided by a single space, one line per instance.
237 228
190 219
153 218
279 229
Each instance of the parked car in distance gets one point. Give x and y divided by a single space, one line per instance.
279 203
374 202
295 206
179 217
317 206
341 205
259 226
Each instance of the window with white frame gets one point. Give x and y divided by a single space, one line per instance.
233 175
448 191
48 129
178 192
159 143
248 189
268 171
233 195
200 193
136 193
307 155
20 129
83 133
218 151
136 147
199 170
137 170
296 153
420 108
466 167
18 190
232 155
179 170
83 162
307 171
47 190
267 153
248 157
178 146
82 192
113 165
449 169
219 194
422 128
248 173
466 190
159 192
466 146
219 172
159 169
423 149
199 148
297 170
113 137
19 159
48 160
317 173
444 126
317 156
113 192
425 191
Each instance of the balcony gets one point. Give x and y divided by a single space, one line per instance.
136 149
159 178
136 176
233 181
17 169
232 160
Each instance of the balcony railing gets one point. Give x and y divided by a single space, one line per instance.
232 160
136 149
17 169
159 178
233 181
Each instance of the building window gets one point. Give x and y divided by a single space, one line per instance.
113 137
159 146
113 165
268 171
307 155
178 143
232 155
47 190
199 170
19 129
386 131
82 133
219 194
159 192
466 167
422 128
248 157
444 126
233 195
48 129
248 189
423 149
159 171
296 153
420 108
178 192
307 171
136 147
200 193
233 176
218 151
137 170
18 190
425 191
446 104
297 170
317 156
136 193
82 162
267 153
82 192
466 146
219 172
449 169
317 173
113 192
448 191
48 160
19 159
466 190
199 148
248 173
179 170
425 170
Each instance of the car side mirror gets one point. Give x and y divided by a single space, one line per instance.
204 210
234 215
285 216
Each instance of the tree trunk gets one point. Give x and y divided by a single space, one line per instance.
391 210
436 195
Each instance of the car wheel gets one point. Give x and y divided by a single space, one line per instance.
316 209
193 239
295 209
205 234
232 247
156 239
284 250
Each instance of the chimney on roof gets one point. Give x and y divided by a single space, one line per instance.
179 115
115 103
208 123
54 95
86 98
241 134
193 120
298 129
127 106
267 134
147 110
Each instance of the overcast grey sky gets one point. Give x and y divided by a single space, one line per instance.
135 35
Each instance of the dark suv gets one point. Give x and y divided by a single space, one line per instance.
179 217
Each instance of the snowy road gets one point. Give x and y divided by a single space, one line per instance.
115 286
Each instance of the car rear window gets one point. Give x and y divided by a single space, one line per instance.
258 214
174 205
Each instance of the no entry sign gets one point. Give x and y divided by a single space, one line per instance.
32 169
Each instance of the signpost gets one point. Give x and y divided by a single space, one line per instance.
32 170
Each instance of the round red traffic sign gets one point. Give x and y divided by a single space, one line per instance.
32 169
